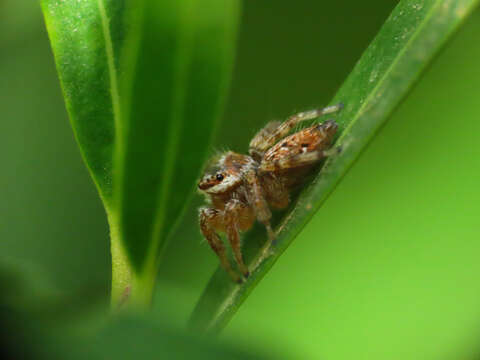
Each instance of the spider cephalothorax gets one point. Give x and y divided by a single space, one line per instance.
226 173
242 188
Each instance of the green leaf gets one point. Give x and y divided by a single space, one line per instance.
144 82
178 64
86 38
76 31
388 69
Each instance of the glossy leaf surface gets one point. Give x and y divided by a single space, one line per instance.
79 40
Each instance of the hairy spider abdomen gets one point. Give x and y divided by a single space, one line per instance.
318 137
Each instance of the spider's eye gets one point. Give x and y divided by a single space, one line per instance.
219 177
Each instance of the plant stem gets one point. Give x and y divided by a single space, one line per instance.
129 289
142 290
121 269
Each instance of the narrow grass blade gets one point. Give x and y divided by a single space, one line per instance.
388 69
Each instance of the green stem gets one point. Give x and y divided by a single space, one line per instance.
121 269
142 290
129 289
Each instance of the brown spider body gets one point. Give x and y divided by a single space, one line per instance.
242 188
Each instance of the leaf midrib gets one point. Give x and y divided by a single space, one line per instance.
112 71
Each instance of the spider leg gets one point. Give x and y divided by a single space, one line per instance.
295 161
256 199
261 137
267 137
209 219
234 211
276 191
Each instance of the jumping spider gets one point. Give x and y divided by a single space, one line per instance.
241 188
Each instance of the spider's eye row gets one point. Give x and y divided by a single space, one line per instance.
219 177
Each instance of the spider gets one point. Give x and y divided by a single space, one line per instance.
242 188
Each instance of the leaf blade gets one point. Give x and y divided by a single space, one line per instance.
406 52
76 32
158 157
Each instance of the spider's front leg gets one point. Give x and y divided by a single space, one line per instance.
238 216
269 136
210 219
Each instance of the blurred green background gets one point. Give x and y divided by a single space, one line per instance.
387 269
